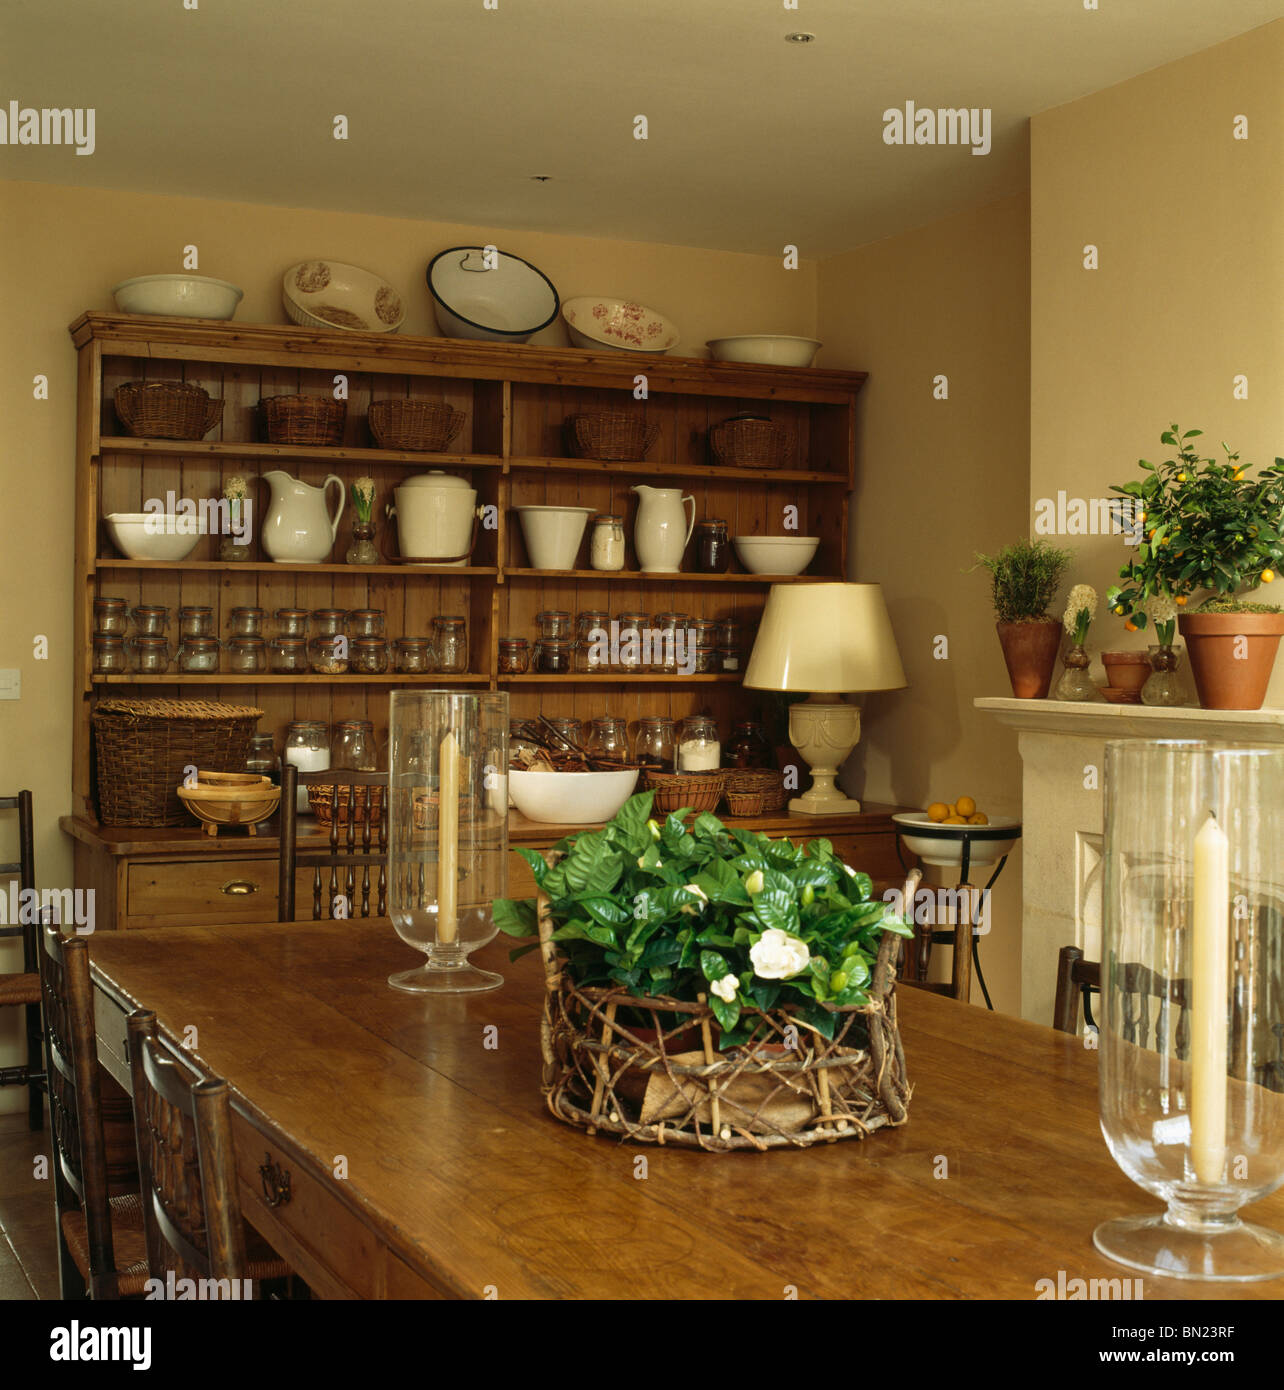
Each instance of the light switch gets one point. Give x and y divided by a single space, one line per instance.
10 685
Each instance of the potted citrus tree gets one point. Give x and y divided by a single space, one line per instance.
1205 527
1024 577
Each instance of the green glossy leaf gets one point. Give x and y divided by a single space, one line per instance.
713 966
727 1014
778 908
516 916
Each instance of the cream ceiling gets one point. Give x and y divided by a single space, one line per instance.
753 143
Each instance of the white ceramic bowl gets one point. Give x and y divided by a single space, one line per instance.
149 536
570 798
553 535
775 554
617 323
506 304
331 294
180 296
773 349
943 844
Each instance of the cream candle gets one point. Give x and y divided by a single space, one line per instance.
1208 970
448 841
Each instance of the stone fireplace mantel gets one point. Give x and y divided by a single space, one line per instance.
1063 771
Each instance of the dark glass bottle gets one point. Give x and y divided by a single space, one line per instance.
748 746
713 548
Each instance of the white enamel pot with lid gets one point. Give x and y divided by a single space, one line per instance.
436 518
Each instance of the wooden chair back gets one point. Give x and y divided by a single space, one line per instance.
1149 1002
22 990
358 845
75 1102
186 1164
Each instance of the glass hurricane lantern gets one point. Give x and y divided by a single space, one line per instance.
447 832
1192 985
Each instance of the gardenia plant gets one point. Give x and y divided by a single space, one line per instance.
663 911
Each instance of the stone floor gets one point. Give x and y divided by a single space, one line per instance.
28 1253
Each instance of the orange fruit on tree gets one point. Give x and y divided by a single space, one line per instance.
937 811
1181 600
1268 576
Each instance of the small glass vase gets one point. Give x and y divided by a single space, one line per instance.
232 549
1192 974
1075 683
1163 685
361 549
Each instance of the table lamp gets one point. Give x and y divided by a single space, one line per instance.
829 640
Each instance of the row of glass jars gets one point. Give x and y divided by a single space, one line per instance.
112 617
661 743
638 642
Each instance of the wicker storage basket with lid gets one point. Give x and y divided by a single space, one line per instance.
144 748
167 410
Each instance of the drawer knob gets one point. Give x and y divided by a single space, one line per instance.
239 888
276 1182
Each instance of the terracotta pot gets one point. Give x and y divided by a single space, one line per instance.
1231 656
1126 670
1030 652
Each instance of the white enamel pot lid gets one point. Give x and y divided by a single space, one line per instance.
446 481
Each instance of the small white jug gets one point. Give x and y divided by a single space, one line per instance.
298 528
657 533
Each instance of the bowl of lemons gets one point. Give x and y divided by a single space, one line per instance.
939 834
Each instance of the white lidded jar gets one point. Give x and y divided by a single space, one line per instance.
307 746
606 545
435 513
698 747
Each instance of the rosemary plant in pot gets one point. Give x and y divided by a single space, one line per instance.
1024 577
1203 526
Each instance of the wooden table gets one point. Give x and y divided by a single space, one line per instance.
423 1163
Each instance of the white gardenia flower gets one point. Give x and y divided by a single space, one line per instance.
755 883
776 955
725 988
692 908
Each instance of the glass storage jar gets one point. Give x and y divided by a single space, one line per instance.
149 655
413 656
706 631
571 730
353 747
328 655
592 640
707 661
748 746
288 656
198 655
368 655
195 620
246 622
111 615
247 656
698 746
655 743
729 634
328 622
450 638
514 656
262 757
713 548
672 632
150 619
608 738
632 626
365 622
291 622
553 656
307 746
606 543
109 654
728 659
553 623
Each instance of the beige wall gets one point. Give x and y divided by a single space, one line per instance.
61 250
1190 289
938 480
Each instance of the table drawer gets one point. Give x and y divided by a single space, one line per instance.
187 892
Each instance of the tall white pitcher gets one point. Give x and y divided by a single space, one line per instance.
658 534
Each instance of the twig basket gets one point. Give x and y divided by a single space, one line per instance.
750 789
788 1088
749 442
611 435
425 426
166 410
673 790
143 749
304 419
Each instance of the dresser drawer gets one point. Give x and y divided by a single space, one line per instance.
201 890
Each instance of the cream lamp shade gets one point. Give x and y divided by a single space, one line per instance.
835 638
827 639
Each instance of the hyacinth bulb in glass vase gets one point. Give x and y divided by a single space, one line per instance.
1163 685
1081 608
361 550
234 544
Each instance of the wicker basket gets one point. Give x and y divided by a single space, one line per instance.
144 749
611 435
750 442
166 410
748 790
788 1088
427 426
701 791
368 803
304 419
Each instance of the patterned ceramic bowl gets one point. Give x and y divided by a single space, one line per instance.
330 294
618 323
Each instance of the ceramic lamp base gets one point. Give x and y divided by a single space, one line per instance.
824 729
836 805
1231 1252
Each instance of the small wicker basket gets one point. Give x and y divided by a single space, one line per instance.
611 435
304 419
701 791
426 426
751 442
166 410
145 748
368 803
748 790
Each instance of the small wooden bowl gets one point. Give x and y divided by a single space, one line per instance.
230 798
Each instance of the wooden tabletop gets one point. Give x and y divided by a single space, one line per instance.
452 1160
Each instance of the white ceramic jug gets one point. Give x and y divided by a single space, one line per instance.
658 536
298 528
